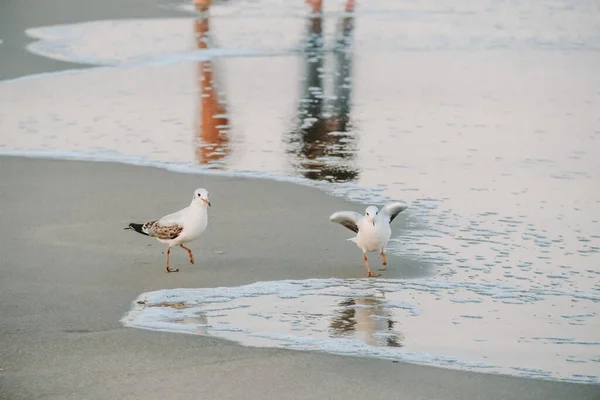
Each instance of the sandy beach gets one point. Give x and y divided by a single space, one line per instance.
69 272
17 16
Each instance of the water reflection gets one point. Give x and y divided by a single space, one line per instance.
322 143
212 124
198 319
367 319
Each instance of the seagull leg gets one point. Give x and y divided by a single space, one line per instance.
383 256
368 268
189 252
167 265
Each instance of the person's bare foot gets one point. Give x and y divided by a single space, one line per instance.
316 5
349 6
202 5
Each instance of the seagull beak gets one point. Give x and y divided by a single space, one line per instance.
128 229
207 202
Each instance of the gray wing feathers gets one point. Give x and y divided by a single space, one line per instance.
393 209
161 230
347 218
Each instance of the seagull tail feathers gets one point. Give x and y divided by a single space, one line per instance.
136 227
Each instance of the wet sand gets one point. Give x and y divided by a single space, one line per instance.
69 273
18 15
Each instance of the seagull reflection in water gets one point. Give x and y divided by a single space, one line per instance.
200 320
212 125
367 319
321 143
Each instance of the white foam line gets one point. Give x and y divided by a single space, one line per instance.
155 61
303 13
292 287
53 36
167 58
164 58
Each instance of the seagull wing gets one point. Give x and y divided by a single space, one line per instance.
168 227
393 209
347 218
162 230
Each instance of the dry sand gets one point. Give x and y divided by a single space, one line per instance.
69 273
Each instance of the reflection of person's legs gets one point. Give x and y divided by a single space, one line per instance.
316 5
343 70
312 96
202 5
310 129
209 127
349 6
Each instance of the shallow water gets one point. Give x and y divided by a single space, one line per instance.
490 328
483 117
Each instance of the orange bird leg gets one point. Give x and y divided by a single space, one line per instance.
370 273
167 265
189 252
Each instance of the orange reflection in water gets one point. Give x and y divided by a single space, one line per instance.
212 140
322 143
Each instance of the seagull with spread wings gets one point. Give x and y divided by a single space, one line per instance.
372 229
179 227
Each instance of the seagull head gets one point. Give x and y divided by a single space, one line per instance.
201 197
370 214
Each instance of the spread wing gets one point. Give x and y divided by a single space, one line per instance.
347 218
393 209
162 230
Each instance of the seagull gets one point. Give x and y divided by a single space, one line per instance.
179 227
372 229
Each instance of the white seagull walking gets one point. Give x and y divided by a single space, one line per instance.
372 229
179 227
